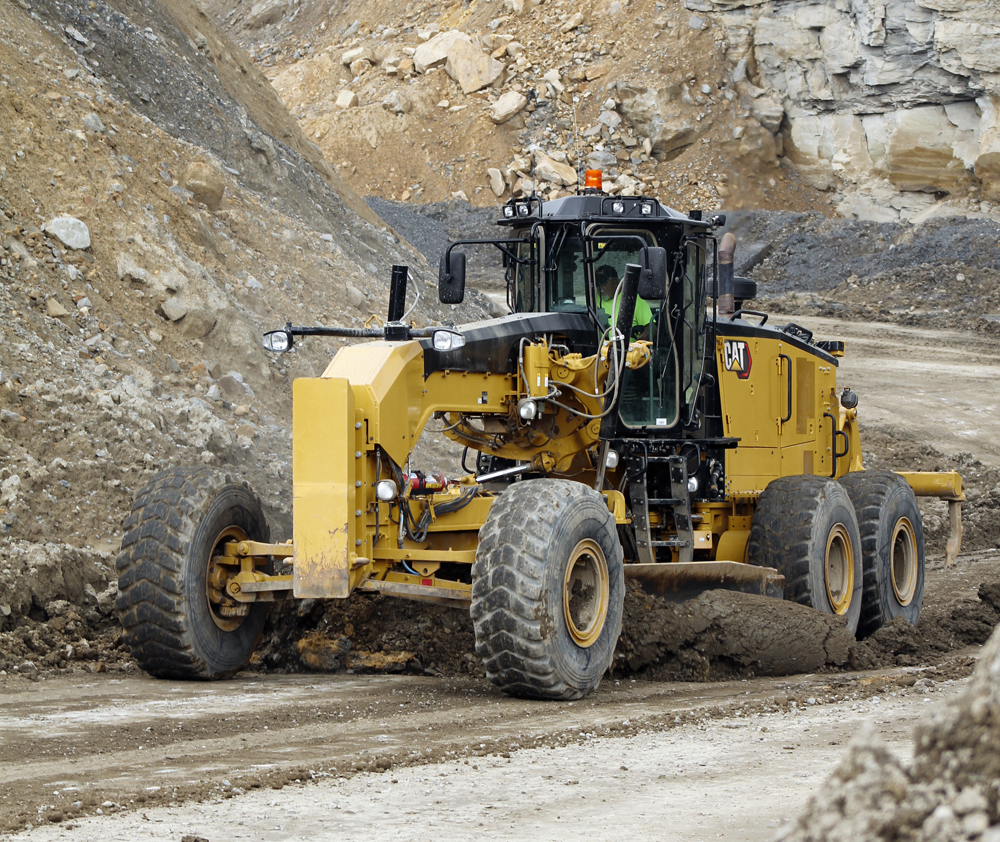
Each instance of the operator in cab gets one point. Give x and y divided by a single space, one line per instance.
607 285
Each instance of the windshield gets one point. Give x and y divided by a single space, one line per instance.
650 395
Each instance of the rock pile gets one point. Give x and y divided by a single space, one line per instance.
516 88
950 791
137 273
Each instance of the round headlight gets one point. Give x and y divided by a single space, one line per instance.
611 460
527 409
618 207
385 490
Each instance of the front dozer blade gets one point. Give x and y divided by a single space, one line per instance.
678 581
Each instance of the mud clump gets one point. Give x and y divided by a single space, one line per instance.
724 634
950 791
718 636
942 628
368 634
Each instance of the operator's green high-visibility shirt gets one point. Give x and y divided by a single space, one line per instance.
642 317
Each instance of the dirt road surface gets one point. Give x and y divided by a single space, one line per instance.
726 760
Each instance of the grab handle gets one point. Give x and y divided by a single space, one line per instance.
788 417
833 450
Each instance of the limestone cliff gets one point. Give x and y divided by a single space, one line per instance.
894 106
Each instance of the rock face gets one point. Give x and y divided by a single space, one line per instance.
849 86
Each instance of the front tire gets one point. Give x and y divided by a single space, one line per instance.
805 527
892 546
548 590
178 623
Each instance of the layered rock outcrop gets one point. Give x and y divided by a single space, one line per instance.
892 105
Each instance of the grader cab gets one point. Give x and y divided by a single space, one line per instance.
629 418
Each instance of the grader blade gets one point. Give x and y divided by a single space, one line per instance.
677 582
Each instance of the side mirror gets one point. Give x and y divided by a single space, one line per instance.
653 280
451 284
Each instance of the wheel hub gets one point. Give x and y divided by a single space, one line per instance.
839 569
904 561
586 592
226 612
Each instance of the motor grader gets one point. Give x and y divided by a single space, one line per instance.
654 429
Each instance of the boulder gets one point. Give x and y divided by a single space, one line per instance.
496 181
546 169
397 103
205 184
768 113
70 231
199 322
574 21
357 54
265 13
507 106
434 52
655 113
55 309
473 69
555 80
360 66
347 99
174 309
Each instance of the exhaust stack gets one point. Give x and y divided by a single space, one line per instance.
727 250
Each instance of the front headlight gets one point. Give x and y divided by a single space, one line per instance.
448 340
618 207
278 341
385 490
527 409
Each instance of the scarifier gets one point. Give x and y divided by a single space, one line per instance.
629 418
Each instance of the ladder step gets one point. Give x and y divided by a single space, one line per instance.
673 542
665 501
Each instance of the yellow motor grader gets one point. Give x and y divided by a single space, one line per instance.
629 418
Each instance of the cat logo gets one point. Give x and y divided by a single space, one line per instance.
736 357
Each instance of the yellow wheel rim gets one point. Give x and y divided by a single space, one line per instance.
904 561
218 576
839 569
586 593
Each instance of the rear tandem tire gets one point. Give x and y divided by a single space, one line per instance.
548 590
171 625
805 527
892 547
